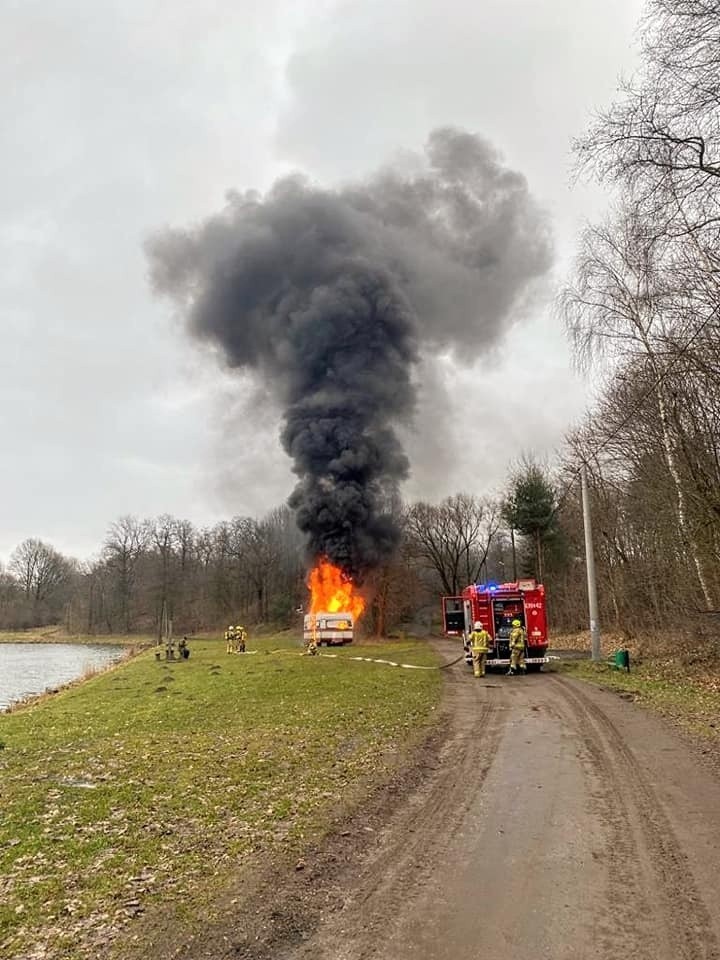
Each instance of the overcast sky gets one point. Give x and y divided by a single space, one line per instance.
120 117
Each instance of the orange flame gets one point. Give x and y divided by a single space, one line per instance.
332 591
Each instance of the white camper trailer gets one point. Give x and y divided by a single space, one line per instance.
328 628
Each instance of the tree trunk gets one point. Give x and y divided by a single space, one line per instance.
687 536
539 555
380 613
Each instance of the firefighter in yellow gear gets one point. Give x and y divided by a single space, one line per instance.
479 643
230 640
311 647
240 638
518 639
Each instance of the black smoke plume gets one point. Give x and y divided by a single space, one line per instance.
332 296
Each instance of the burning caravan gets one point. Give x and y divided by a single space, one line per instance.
335 605
328 628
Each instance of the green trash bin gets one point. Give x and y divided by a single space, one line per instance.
622 660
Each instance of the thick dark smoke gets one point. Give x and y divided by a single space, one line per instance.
331 296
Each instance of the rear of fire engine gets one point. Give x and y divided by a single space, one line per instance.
495 606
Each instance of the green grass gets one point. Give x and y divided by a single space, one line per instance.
693 702
194 766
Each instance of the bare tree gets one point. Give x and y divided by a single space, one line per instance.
257 551
453 538
125 542
10 599
662 137
40 569
162 535
627 304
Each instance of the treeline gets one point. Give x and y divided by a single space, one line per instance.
250 570
644 308
255 570
152 570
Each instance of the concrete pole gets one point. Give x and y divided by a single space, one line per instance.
590 567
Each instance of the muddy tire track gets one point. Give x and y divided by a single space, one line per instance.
654 892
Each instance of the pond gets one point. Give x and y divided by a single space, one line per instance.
27 669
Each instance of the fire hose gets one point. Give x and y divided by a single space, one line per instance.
387 663
393 663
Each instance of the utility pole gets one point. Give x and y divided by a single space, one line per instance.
590 567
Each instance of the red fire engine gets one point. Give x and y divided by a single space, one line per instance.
496 606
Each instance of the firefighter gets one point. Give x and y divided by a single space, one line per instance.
517 648
230 639
240 638
479 641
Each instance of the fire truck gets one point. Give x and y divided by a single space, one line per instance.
496 606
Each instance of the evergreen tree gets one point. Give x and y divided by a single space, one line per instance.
530 508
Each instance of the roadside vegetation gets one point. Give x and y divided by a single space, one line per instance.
677 674
686 693
149 785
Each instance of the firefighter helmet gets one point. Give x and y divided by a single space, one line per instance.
516 623
231 628
477 625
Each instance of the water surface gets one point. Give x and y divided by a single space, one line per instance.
27 669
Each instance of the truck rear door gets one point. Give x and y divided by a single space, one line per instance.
453 616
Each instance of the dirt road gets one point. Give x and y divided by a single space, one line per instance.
554 821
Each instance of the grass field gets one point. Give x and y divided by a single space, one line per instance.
156 779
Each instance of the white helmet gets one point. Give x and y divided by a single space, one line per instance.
477 625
